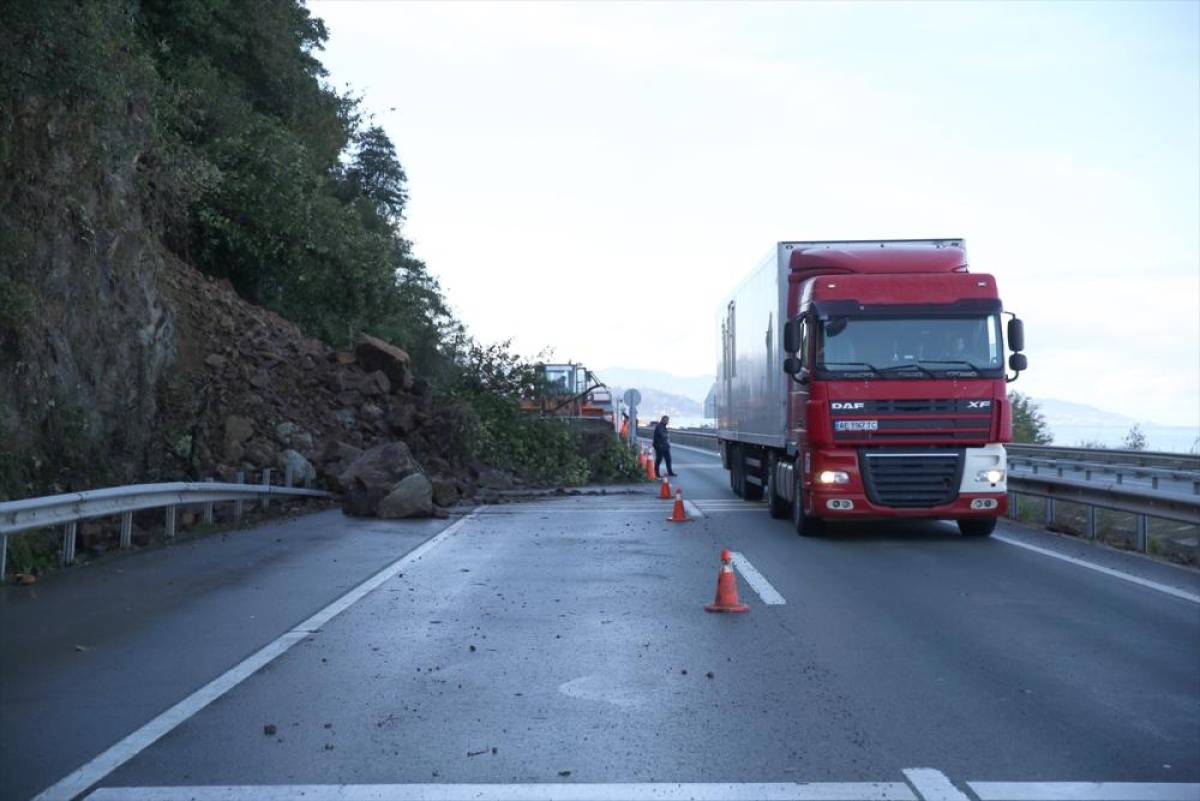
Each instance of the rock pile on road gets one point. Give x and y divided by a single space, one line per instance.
250 391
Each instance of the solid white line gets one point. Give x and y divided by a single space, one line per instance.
757 581
692 509
783 791
933 785
1108 571
126 749
1085 791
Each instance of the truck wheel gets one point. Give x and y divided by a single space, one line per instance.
977 526
779 507
806 526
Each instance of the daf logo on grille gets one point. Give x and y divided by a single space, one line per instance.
846 406
984 404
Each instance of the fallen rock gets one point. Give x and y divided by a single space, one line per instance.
445 491
261 453
411 497
402 418
491 478
372 477
238 429
303 473
376 384
375 354
215 361
346 418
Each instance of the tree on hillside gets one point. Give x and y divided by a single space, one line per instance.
1135 440
1028 424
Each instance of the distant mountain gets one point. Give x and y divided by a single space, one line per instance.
1067 413
694 387
656 403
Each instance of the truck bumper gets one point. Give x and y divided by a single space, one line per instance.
835 505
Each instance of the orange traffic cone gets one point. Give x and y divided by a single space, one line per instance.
664 489
678 514
727 594
650 468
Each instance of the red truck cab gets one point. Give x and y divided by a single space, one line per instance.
892 402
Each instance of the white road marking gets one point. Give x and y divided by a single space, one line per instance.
1108 571
757 581
662 791
1085 791
692 509
126 749
933 785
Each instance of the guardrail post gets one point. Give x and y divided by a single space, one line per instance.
1013 512
1091 522
287 475
3 557
237 505
1087 474
266 499
1120 477
1060 471
126 529
68 549
1196 487
1142 533
1049 512
170 522
208 507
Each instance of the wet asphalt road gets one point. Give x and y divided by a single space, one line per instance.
564 641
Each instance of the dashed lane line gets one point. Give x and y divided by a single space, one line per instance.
126 749
757 581
933 785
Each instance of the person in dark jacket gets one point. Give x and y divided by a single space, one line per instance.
662 447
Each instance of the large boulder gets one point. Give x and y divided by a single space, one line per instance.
411 497
237 431
373 476
375 354
303 473
334 459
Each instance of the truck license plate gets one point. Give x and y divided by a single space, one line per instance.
856 425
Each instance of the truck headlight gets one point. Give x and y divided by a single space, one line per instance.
993 476
833 477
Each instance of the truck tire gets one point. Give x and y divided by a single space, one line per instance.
977 526
806 526
779 506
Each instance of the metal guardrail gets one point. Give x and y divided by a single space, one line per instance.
1143 503
68 509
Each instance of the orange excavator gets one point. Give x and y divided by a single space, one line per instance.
572 390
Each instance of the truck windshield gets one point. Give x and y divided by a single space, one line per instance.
900 347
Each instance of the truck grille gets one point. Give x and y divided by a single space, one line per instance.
911 478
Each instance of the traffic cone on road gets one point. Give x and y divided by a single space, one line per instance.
727 594
650 468
664 489
678 513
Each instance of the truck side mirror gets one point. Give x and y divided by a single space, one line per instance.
792 365
1018 362
1016 335
791 336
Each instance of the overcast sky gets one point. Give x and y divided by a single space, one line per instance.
595 176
